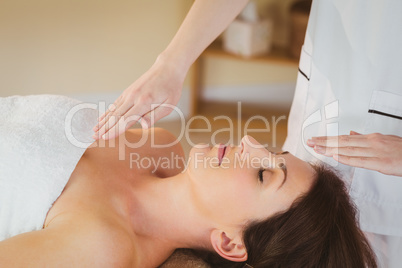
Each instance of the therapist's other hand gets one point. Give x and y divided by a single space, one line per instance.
375 151
150 98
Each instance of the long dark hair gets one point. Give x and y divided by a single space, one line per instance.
320 229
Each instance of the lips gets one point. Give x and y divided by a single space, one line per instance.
221 153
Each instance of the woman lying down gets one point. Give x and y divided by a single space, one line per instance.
116 213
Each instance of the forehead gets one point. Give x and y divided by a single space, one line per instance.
300 174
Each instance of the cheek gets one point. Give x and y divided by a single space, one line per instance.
224 191
228 191
232 206
238 192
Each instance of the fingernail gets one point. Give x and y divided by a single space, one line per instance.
310 142
144 125
104 136
319 149
95 128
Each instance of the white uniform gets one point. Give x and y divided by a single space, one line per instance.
350 78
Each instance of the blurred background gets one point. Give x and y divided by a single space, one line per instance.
93 49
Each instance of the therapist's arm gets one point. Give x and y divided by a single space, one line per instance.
163 82
375 151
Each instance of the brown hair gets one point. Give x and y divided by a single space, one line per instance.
320 229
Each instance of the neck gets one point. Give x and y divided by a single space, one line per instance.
163 218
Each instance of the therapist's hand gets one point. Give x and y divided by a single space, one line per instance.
376 151
163 83
158 90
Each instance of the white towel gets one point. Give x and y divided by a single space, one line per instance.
38 153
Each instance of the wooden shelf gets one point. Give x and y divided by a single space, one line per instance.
278 56
275 56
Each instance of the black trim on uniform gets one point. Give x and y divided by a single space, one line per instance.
304 75
385 114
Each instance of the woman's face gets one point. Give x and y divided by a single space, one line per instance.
235 185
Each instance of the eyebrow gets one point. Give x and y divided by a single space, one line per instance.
285 173
284 170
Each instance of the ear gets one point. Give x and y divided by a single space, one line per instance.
231 249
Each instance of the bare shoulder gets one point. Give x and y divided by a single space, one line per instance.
105 239
69 245
106 244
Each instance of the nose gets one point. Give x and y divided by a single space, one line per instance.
249 144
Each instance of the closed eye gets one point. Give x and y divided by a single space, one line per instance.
260 175
281 166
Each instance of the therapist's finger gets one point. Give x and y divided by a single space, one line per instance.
107 124
102 118
155 115
102 123
124 123
113 107
349 151
120 109
340 141
110 109
112 120
372 163
132 116
121 126
393 137
330 140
